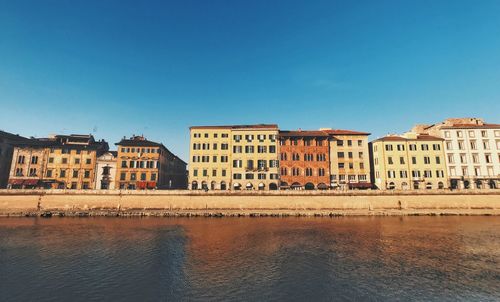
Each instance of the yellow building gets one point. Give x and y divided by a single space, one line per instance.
58 162
234 157
349 159
143 164
410 161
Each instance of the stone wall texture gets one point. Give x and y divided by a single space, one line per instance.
364 202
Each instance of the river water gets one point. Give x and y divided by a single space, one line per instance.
250 259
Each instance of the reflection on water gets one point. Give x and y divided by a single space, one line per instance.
256 259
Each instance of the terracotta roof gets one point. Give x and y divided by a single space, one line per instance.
345 132
258 126
472 126
302 133
420 137
139 143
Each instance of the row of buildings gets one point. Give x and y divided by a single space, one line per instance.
454 154
81 162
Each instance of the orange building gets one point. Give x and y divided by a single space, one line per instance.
304 160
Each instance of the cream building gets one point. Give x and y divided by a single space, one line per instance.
106 171
472 151
234 157
410 161
349 159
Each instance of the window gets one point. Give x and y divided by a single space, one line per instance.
20 159
237 163
51 160
34 160
205 172
362 177
360 143
86 174
214 146
391 174
143 176
273 163
415 174
214 158
486 145
459 134
340 154
424 147
249 164
321 172
463 159
475 158
473 145
389 160
360 155
224 173
341 165
449 145
427 173
153 176
75 173
401 147
19 172
402 160
49 173
195 172
308 172
237 149
64 160
388 147
214 173
237 176
447 134
32 172
261 164
488 158
471 133
249 149
414 160
438 160
340 143
62 173
349 154
413 147
133 176
224 146
427 160
484 133
261 176
249 176
349 142
451 159
436 147
403 174
88 161
461 145
261 149
272 149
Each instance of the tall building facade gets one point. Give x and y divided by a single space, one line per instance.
143 164
410 161
349 159
7 142
304 160
57 162
234 157
472 151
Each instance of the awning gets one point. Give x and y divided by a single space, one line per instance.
31 182
141 184
16 181
322 186
151 184
360 185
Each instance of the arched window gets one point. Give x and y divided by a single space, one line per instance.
273 186
392 186
428 186
309 186
440 185
223 185
404 185
194 185
212 185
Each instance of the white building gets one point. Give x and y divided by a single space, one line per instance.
472 151
106 171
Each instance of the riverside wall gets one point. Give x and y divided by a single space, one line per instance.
14 202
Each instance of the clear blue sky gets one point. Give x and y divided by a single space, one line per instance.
116 68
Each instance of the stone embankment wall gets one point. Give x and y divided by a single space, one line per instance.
358 203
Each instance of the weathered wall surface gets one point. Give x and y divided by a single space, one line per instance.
11 202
